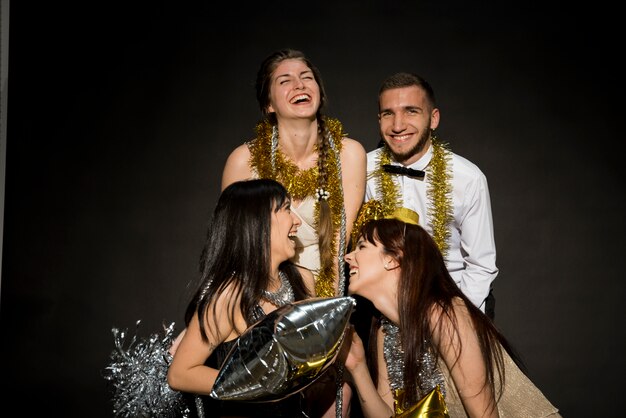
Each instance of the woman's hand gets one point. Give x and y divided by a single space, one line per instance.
176 342
356 355
372 403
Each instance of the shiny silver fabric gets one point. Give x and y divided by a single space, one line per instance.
429 375
286 351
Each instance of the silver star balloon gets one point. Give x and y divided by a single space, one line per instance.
284 352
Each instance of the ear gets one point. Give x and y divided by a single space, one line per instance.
434 119
391 264
270 109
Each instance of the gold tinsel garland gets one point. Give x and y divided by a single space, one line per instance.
439 195
303 183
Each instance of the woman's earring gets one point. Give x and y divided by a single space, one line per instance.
386 266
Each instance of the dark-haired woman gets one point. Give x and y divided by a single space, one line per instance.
245 274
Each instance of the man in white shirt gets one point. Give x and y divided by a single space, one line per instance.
449 193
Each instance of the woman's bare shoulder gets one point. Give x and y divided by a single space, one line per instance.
237 166
352 144
353 154
239 153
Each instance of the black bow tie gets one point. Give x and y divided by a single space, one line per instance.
405 171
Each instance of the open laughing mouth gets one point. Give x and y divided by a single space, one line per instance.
302 98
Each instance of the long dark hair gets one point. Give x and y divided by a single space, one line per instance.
237 249
424 285
325 230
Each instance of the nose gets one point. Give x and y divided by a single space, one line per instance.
398 123
349 257
296 219
299 84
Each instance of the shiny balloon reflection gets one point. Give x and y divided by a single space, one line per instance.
286 351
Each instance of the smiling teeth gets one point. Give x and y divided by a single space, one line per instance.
300 97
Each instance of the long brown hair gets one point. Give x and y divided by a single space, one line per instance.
425 285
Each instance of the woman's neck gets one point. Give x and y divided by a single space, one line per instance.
297 141
274 272
389 308
386 300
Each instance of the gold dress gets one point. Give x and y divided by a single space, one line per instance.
521 398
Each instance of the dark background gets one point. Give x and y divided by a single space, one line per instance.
120 118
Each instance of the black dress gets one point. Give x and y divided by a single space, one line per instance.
290 407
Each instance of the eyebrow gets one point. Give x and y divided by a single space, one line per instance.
407 107
289 75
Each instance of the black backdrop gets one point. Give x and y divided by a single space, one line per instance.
120 118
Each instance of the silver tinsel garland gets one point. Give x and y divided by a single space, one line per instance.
137 373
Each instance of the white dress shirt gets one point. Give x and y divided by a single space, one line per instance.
471 258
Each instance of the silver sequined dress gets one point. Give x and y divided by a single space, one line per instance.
430 375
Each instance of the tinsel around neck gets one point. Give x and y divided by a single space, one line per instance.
439 194
270 162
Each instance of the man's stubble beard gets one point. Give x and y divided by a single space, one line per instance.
421 143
